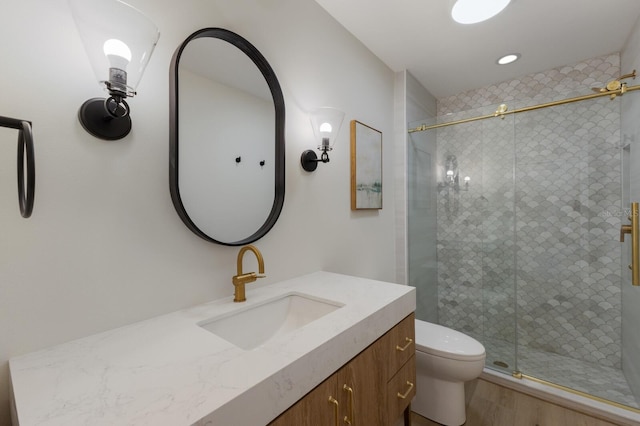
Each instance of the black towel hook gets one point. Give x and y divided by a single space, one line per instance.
26 191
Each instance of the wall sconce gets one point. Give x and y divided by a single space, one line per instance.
452 176
119 41
451 173
326 123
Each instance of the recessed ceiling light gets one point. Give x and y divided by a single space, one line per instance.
473 11
507 59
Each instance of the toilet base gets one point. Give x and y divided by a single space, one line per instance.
440 401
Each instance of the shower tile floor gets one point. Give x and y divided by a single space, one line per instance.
604 382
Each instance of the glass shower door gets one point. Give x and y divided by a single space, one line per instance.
630 140
499 244
461 231
522 250
568 208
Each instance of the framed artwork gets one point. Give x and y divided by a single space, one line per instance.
366 167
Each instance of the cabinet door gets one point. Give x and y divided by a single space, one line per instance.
362 385
401 390
401 343
315 409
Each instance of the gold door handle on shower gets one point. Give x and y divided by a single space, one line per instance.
634 230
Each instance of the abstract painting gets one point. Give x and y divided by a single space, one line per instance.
366 167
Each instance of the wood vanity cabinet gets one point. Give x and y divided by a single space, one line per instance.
373 389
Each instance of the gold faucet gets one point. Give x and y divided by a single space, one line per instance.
241 279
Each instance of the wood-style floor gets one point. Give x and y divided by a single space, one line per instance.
489 404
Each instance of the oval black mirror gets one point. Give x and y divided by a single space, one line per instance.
226 159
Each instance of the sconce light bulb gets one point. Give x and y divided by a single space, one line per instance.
119 56
449 172
467 178
117 52
325 128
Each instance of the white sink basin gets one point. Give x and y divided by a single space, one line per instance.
250 327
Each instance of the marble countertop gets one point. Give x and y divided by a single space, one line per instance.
169 371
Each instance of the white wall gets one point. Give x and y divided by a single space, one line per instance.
630 134
104 246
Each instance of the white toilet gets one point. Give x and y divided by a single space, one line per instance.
445 360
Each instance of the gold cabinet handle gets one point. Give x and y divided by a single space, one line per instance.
332 400
349 419
404 395
404 348
634 230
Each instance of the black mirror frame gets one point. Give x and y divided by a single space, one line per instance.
26 192
278 101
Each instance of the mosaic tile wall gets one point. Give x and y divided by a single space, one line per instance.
536 228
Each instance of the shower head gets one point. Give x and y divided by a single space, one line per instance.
615 84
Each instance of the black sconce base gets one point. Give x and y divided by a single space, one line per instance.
309 160
97 121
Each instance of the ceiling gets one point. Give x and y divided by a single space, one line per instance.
449 58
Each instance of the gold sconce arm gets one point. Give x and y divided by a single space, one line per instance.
634 230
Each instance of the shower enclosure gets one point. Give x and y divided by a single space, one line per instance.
514 238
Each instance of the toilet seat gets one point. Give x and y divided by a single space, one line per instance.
441 341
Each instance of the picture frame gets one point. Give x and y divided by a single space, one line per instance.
366 167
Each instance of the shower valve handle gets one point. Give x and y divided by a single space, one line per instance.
634 230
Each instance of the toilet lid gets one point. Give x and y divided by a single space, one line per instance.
447 343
